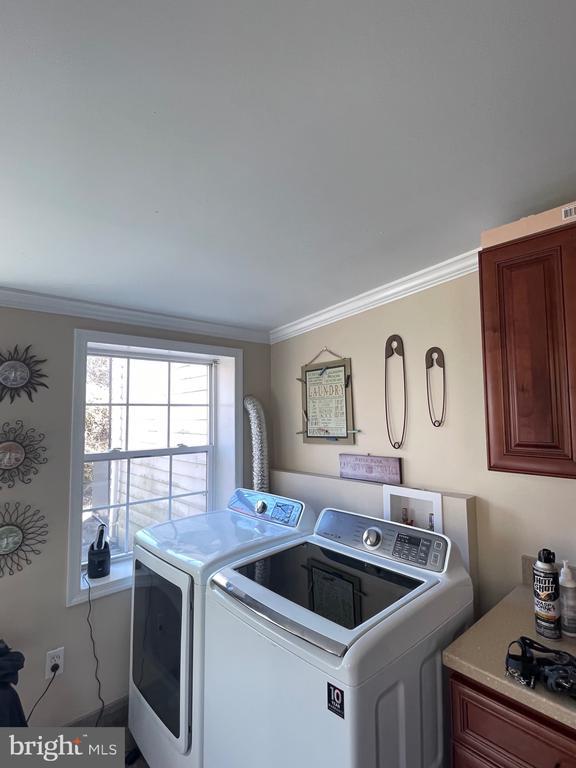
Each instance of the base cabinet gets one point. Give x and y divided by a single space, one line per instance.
490 731
464 758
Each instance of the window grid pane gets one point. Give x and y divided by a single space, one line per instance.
148 382
149 478
97 379
97 433
148 427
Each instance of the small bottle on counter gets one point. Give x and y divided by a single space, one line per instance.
547 595
567 601
405 517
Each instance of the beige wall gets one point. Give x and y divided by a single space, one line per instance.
529 225
516 513
33 614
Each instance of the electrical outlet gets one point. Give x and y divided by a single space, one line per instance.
54 657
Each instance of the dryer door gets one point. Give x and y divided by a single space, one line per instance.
162 644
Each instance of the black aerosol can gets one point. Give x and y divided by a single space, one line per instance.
547 595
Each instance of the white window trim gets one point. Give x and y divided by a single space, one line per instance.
227 467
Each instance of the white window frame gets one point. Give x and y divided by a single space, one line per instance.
225 470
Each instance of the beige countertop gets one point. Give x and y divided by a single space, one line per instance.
480 654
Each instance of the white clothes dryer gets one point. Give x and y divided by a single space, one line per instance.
172 564
334 657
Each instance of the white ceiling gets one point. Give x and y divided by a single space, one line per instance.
253 161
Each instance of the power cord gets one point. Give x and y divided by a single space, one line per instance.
54 669
96 659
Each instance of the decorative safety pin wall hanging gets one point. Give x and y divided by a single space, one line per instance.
435 358
395 345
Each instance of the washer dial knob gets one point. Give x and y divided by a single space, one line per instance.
372 537
261 506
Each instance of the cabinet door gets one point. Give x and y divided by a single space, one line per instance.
529 335
498 734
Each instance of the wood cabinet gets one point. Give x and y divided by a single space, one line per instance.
528 297
491 731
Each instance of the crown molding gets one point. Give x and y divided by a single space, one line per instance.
447 270
55 305
397 289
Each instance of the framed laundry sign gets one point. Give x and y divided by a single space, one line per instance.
327 402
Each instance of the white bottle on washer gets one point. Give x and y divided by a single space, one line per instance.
567 601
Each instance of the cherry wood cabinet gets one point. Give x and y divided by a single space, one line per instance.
528 297
492 731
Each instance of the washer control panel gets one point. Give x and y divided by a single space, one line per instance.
416 547
266 506
412 548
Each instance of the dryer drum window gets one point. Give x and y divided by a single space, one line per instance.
343 589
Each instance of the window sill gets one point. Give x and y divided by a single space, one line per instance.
120 578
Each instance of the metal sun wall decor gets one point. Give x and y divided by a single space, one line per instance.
22 531
20 373
21 453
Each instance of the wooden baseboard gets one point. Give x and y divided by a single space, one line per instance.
115 715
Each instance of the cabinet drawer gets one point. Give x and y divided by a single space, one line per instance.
505 736
463 758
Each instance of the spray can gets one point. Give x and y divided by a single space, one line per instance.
547 595
568 601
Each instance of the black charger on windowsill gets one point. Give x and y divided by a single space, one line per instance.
99 556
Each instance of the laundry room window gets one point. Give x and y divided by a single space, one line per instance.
144 442
147 444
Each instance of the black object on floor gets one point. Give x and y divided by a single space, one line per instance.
11 712
132 756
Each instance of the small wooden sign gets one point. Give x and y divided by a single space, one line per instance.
376 469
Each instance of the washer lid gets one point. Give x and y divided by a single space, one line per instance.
200 543
323 594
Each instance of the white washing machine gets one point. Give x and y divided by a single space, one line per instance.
334 659
172 564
